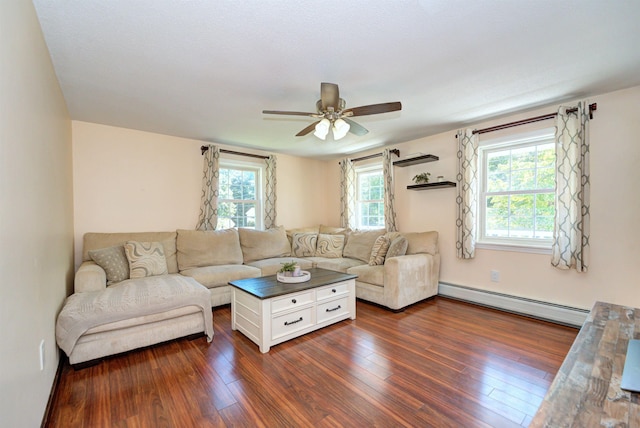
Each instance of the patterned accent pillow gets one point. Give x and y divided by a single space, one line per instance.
114 262
304 244
145 259
379 251
398 247
330 246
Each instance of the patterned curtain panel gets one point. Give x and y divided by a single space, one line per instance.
389 196
209 202
571 235
347 194
467 188
270 194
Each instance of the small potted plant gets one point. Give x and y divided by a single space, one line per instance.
422 178
289 268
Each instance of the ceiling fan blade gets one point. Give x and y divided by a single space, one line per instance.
330 96
356 128
373 109
308 129
291 113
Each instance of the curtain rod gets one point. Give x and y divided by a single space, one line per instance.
203 149
376 155
592 107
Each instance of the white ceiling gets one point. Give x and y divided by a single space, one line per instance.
207 69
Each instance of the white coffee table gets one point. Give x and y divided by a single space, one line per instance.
269 312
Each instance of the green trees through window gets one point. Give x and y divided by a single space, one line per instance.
237 201
370 199
518 191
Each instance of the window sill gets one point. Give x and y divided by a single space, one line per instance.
532 249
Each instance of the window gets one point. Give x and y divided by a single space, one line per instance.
240 199
517 191
369 198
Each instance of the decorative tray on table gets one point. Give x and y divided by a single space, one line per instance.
304 276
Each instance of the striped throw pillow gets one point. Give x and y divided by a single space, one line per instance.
379 251
304 244
330 246
145 259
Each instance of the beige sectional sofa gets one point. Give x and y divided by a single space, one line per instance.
208 260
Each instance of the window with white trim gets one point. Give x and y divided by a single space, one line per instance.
240 197
369 197
517 191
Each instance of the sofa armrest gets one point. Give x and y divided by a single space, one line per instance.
410 278
90 277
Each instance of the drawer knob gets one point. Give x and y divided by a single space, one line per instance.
294 301
293 322
333 290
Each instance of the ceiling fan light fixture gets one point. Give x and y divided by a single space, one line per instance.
340 129
322 129
332 114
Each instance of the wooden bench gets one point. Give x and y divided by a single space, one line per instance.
586 391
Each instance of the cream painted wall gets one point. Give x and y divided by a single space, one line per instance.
36 215
113 170
128 180
615 206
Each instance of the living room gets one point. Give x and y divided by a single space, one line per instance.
62 177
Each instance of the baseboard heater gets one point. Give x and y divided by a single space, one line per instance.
559 314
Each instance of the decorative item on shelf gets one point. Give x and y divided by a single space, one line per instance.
440 178
422 178
290 272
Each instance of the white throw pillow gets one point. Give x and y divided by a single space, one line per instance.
304 244
330 246
145 259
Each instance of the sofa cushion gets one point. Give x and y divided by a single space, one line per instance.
197 248
97 240
303 244
332 230
360 243
397 247
145 259
422 242
273 265
340 265
114 262
330 246
379 251
217 276
264 244
369 274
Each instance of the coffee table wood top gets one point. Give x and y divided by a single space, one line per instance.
268 286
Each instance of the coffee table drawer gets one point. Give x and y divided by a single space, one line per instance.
333 309
292 301
290 323
333 291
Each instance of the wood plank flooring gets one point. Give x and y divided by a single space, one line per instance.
440 363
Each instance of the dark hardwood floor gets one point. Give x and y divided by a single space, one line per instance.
440 363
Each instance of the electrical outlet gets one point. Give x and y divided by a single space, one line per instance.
495 276
42 355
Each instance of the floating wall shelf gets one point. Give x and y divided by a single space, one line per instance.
436 185
416 160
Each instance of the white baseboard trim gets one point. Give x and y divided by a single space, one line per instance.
560 314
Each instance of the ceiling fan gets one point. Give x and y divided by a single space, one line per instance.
333 115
